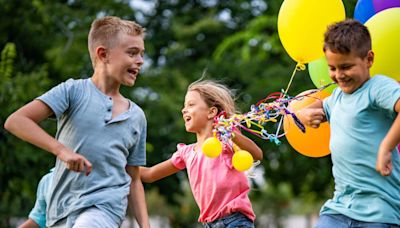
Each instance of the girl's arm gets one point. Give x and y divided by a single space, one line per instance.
157 172
247 144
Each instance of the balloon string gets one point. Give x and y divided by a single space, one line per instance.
299 66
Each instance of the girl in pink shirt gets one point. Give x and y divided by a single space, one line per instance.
220 191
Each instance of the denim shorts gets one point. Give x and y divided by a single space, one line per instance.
341 221
235 220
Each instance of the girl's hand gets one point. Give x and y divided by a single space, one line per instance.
75 162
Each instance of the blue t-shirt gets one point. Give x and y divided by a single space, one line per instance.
358 122
85 124
38 212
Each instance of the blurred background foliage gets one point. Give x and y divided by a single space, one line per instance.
45 42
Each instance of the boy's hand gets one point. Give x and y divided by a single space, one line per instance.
75 162
311 117
384 161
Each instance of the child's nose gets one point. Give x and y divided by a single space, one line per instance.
340 74
139 60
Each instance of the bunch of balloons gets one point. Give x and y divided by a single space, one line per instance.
267 110
382 17
301 26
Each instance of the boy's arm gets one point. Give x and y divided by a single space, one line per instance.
312 115
247 144
29 224
157 172
391 140
24 123
136 199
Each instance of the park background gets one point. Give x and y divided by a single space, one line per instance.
45 42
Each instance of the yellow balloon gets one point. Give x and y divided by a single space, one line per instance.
212 147
242 160
385 35
302 24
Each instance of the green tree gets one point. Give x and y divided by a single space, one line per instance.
234 41
20 162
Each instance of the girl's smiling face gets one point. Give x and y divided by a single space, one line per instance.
196 114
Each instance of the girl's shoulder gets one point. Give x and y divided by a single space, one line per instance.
185 148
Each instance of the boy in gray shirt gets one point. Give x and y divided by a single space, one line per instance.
101 135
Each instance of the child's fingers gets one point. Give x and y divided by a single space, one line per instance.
318 116
387 170
79 164
384 170
319 112
315 123
88 166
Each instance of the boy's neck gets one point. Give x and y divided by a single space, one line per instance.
106 84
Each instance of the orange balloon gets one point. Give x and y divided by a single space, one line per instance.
315 141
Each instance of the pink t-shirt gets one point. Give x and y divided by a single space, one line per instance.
218 188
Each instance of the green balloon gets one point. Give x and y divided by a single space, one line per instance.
319 74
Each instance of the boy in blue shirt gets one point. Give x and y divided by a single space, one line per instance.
363 113
37 216
101 135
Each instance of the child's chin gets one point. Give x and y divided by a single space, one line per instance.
188 129
130 83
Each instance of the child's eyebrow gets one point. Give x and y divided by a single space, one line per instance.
136 49
189 101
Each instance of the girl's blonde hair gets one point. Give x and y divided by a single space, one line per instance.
104 31
216 95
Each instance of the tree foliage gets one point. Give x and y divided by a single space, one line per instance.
45 42
21 164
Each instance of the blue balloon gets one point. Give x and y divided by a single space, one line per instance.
364 10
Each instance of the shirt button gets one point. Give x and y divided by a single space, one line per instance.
110 98
109 110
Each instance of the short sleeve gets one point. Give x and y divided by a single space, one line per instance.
328 102
58 98
178 158
385 92
137 156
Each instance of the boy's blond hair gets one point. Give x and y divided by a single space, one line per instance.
104 31
216 95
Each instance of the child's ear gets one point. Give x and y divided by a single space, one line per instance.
212 113
370 58
101 53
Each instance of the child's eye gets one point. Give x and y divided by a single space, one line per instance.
135 52
131 53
